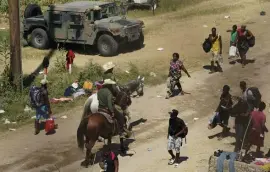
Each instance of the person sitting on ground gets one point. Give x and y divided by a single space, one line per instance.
177 128
257 129
175 74
109 160
223 109
216 50
106 105
43 111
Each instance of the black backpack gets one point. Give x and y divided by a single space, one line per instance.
185 133
251 41
256 93
35 96
207 45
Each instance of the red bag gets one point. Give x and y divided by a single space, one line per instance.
49 126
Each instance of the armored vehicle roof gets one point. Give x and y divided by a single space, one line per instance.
77 6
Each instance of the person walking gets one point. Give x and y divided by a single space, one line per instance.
216 50
39 97
223 110
257 129
243 36
241 121
233 42
176 66
176 131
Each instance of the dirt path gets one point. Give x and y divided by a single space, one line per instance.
22 151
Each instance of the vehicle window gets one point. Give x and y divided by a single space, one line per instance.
89 17
97 15
56 17
76 19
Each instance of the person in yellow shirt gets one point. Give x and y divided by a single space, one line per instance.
216 50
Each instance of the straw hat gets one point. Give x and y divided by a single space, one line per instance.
108 66
109 82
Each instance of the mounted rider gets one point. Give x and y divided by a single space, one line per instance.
175 74
121 99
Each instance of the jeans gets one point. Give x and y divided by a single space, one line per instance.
221 159
239 131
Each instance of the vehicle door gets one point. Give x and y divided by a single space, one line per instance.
75 27
57 25
90 27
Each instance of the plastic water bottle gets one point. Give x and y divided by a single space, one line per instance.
105 166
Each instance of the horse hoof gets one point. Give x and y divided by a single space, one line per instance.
85 164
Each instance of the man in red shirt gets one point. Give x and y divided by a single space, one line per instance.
69 58
243 35
257 128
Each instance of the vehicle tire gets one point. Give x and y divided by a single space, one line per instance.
32 10
154 5
107 45
39 39
140 42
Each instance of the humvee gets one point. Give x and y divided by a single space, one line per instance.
82 22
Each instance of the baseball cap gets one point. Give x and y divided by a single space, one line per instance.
174 112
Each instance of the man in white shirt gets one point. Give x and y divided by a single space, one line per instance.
247 96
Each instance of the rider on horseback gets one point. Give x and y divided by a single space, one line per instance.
175 74
105 98
108 74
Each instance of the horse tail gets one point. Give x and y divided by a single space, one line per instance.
83 124
81 131
86 107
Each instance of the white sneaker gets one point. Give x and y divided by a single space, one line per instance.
176 165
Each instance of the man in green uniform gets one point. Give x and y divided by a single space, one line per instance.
105 98
108 74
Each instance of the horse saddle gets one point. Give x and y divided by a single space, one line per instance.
107 115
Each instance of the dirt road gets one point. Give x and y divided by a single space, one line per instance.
22 151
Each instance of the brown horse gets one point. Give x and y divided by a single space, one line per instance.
96 125
93 125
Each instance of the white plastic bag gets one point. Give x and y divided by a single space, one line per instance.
232 51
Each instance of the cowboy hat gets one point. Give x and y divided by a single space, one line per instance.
108 66
44 82
108 82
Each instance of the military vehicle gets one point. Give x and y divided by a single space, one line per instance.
82 22
152 4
